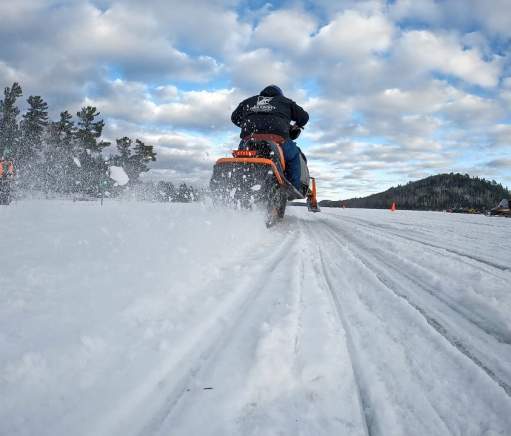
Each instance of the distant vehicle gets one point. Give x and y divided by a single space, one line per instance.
470 210
6 181
502 209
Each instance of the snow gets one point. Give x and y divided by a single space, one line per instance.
118 175
180 319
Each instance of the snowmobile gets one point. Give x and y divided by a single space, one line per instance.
255 176
6 181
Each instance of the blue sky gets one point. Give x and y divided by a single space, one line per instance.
396 90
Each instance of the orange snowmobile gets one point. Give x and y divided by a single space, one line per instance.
255 176
6 180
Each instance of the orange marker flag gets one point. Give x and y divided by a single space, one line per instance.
393 207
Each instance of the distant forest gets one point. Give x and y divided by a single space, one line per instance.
66 156
440 192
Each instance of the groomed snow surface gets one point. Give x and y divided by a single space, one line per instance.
180 319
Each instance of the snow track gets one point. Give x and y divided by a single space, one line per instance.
179 377
468 325
137 319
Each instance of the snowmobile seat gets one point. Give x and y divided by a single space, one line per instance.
268 138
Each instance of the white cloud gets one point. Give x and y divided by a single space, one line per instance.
293 27
8 74
167 92
501 134
199 109
354 35
424 51
491 15
208 26
472 110
256 69
428 98
133 41
427 11
181 156
132 101
88 42
13 12
500 163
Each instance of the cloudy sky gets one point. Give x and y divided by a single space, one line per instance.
397 90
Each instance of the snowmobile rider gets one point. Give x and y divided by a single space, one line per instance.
271 112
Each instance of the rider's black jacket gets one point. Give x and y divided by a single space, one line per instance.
268 112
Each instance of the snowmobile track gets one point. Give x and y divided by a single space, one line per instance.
218 343
361 385
435 324
386 231
471 317
202 351
362 388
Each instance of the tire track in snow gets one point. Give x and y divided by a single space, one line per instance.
434 323
175 373
361 385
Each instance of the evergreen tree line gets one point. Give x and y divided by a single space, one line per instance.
440 192
166 191
67 156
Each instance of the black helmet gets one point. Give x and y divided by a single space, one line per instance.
271 91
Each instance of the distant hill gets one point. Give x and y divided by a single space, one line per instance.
440 192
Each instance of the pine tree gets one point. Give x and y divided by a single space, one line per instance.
33 128
124 145
137 162
90 130
9 129
183 194
62 171
165 191
144 153
93 166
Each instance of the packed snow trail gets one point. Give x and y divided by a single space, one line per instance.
166 319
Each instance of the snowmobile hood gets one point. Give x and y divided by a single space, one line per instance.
271 91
